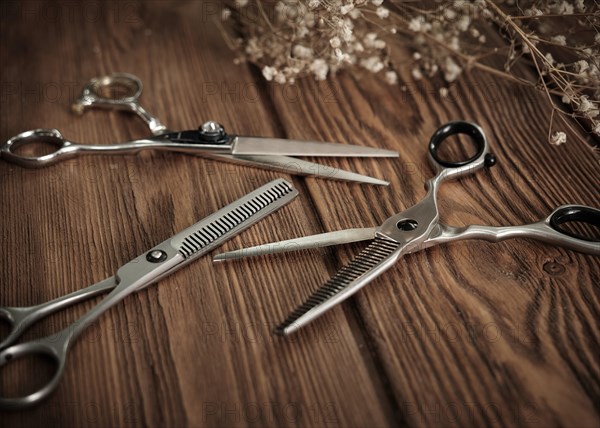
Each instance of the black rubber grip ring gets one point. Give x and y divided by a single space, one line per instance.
578 213
453 128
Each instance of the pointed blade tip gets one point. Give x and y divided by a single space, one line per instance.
353 177
371 180
226 256
379 182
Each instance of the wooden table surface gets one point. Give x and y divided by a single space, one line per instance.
471 333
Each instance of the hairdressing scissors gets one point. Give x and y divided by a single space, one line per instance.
209 140
133 276
418 228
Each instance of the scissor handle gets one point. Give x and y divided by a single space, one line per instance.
182 142
64 149
55 347
15 318
446 168
100 92
20 319
549 230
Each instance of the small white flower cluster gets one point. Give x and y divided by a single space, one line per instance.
443 33
449 40
288 39
558 138
577 77
313 37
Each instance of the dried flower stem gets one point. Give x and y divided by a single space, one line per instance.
293 38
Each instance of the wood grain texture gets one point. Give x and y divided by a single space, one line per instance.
466 334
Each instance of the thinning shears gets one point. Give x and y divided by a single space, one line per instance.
418 228
148 268
209 140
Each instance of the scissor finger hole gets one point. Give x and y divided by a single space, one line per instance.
37 145
581 223
457 144
585 231
456 149
24 375
116 88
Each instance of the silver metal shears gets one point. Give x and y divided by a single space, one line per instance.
209 140
418 228
148 268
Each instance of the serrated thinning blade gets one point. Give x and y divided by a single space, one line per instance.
224 224
370 263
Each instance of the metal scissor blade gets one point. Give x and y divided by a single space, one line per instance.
232 219
294 166
301 167
196 240
370 263
314 241
281 146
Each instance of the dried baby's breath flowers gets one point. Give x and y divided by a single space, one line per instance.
558 138
292 38
559 40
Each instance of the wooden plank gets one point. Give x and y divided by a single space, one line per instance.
471 333
467 334
197 348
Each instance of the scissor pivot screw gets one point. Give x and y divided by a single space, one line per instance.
212 131
156 256
407 225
